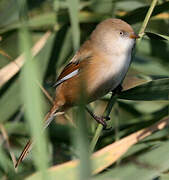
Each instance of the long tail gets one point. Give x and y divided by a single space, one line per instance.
48 119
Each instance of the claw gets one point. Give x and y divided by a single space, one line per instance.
101 120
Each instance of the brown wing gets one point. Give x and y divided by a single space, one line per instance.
72 68
69 71
76 63
69 68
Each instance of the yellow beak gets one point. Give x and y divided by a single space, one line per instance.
134 36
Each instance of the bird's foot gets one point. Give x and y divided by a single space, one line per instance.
102 120
99 119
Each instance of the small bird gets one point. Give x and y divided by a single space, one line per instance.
100 64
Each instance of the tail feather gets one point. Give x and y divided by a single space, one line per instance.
48 119
24 153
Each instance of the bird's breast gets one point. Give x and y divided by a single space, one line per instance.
119 68
106 74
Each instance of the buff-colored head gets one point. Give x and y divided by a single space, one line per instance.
114 36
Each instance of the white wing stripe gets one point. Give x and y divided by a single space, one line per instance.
67 77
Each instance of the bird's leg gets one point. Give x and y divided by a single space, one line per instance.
117 90
99 119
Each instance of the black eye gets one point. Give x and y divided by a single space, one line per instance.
121 33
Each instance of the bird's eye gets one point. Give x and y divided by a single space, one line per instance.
121 33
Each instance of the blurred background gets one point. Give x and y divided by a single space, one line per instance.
58 28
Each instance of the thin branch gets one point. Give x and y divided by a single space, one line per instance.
147 18
46 93
3 53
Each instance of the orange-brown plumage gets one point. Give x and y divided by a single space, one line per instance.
98 67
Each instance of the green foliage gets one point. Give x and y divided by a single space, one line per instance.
143 102
153 90
145 166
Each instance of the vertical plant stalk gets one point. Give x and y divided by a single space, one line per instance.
82 144
113 99
73 6
100 127
116 121
31 94
33 102
147 18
